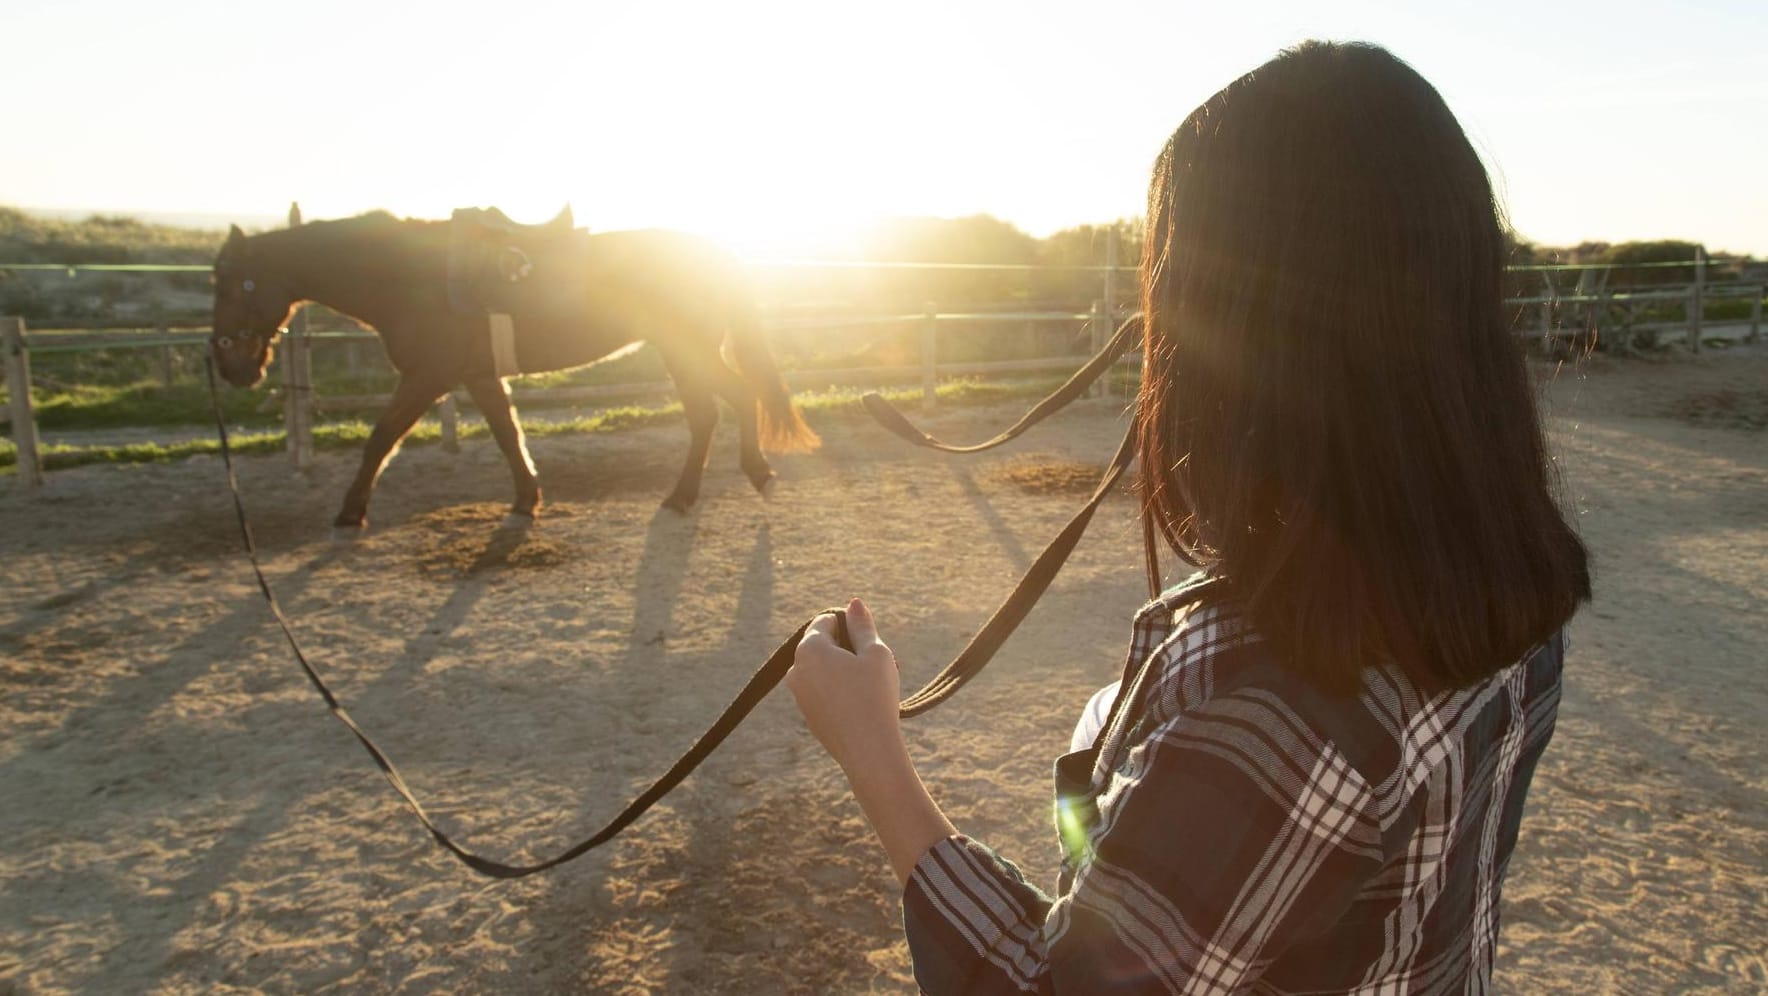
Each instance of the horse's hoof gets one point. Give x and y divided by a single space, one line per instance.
768 487
678 505
516 522
762 482
347 534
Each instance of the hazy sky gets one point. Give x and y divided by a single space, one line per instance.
762 120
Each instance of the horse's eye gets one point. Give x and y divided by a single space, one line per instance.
224 341
249 286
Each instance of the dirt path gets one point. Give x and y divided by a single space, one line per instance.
181 815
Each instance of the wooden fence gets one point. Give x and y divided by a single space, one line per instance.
300 401
18 392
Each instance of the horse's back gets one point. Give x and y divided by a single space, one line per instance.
660 251
666 272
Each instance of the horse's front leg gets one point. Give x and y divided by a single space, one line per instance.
493 399
411 399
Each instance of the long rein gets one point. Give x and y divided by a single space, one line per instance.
969 662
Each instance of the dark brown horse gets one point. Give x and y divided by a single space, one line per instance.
589 296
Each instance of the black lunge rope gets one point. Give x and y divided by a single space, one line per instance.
762 682
953 676
891 418
981 649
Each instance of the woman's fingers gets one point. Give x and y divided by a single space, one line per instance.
823 626
849 700
862 629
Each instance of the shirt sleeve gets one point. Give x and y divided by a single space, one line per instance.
1226 836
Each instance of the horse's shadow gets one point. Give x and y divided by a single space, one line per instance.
709 810
657 585
998 528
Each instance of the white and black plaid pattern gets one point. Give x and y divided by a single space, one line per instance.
1248 832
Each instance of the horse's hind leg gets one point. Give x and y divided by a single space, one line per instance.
755 465
493 399
411 399
701 409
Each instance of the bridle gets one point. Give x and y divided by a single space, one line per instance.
969 662
259 337
262 336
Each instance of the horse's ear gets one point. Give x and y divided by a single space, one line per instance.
234 235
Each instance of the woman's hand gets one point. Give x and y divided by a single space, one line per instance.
848 699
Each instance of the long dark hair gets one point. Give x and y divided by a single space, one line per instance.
1334 417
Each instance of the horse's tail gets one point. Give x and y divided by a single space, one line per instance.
782 425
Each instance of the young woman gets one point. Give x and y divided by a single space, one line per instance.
1312 775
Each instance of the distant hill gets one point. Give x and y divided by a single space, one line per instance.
54 296
204 221
26 237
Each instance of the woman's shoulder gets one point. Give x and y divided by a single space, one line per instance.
1204 658
1199 651
1199 643
1208 669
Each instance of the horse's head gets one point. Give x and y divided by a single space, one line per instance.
252 304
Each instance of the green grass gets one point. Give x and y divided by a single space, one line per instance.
835 405
143 403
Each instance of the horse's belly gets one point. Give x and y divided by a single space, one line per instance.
556 339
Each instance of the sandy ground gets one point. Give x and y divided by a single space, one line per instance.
178 813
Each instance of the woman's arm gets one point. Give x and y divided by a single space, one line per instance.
850 702
1225 845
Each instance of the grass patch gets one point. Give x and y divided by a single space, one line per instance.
1047 476
840 404
60 457
143 403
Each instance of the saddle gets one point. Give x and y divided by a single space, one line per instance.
490 256
494 263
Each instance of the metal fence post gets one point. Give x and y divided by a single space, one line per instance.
297 380
1697 300
930 357
18 388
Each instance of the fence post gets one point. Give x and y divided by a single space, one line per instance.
450 423
168 358
1551 295
1697 300
1103 330
930 357
1756 314
1097 327
297 380
18 387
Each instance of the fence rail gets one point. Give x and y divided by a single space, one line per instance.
1551 307
300 405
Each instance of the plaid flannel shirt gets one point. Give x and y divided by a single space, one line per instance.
1235 829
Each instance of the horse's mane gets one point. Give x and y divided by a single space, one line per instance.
367 242
370 226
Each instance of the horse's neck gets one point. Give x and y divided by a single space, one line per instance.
357 272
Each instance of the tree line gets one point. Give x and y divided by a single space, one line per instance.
1059 272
